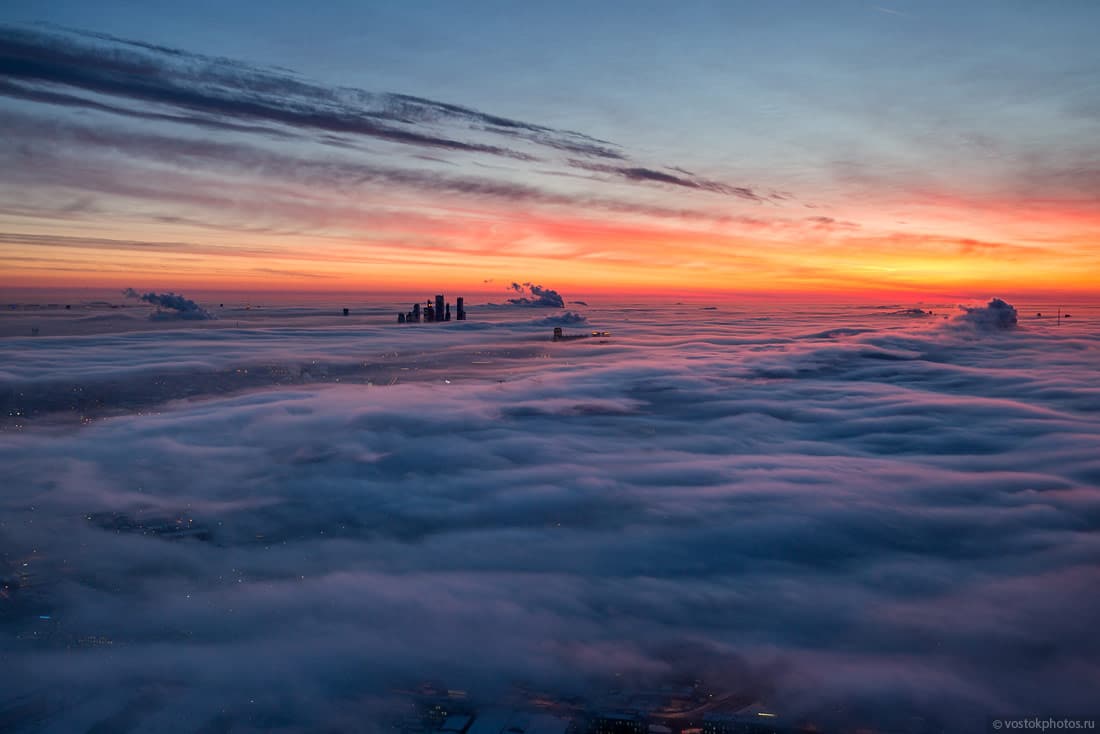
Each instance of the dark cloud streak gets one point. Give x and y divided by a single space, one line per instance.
220 88
131 79
40 163
633 173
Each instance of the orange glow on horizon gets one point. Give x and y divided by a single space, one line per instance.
956 245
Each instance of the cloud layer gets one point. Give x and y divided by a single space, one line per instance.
865 520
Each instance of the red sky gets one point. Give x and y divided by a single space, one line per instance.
131 166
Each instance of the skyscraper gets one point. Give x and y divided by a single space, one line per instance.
434 310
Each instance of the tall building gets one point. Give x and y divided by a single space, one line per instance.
433 310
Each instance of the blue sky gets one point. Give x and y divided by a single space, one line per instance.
645 72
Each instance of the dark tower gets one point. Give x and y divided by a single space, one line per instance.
447 314
439 308
416 313
400 318
460 307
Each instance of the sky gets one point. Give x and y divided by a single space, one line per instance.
843 148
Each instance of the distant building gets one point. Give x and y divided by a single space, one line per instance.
619 722
758 722
505 721
435 310
560 335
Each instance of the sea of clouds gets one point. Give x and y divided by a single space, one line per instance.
859 518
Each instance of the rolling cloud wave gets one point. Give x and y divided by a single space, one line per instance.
899 518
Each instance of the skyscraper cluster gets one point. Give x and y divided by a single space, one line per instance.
433 312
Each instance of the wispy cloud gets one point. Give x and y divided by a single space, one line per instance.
891 11
207 91
681 178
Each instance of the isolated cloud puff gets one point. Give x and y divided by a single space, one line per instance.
995 315
563 319
536 295
170 305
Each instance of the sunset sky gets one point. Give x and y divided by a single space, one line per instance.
839 147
